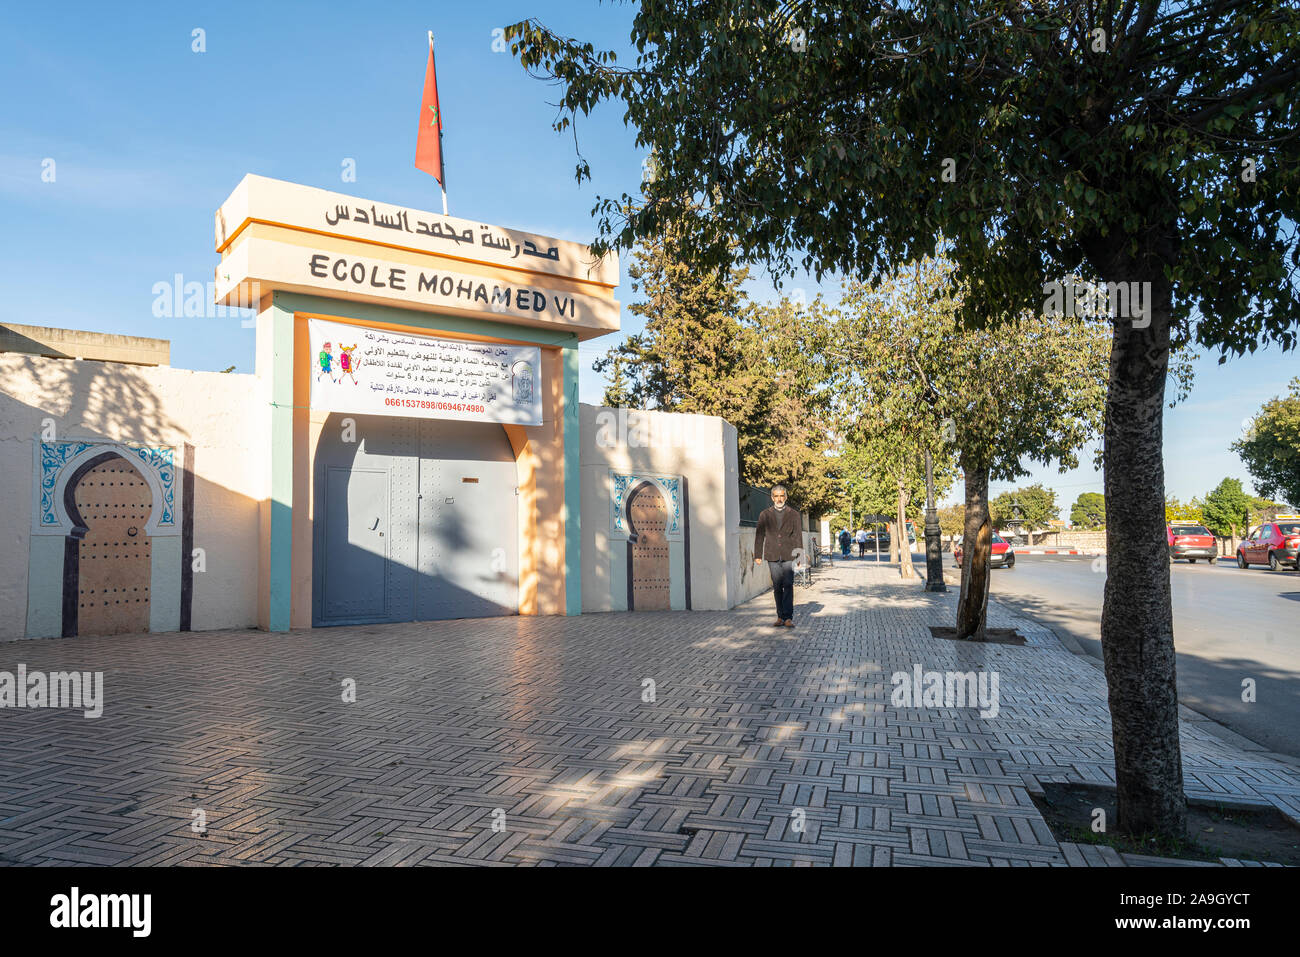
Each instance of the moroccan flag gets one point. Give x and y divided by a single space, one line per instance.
428 145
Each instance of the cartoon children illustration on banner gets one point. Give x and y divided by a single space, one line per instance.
325 360
348 364
345 366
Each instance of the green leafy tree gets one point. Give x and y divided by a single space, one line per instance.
617 393
794 437
1176 511
897 466
1089 511
952 519
911 374
1265 510
1226 510
1034 505
706 349
695 354
1271 448
880 476
1149 146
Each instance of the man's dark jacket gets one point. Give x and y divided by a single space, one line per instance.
778 535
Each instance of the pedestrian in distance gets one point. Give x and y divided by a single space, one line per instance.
779 542
845 539
862 542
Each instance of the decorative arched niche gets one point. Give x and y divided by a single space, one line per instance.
55 531
622 536
59 463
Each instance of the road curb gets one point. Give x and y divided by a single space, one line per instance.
1059 551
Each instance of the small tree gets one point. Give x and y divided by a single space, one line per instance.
1034 505
952 520
882 474
1176 511
1265 510
1089 511
1031 388
794 439
617 393
1227 509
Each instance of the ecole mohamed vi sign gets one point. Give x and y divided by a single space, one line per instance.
438 288
283 236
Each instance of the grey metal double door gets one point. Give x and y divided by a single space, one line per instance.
416 520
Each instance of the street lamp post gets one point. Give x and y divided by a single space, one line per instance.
933 548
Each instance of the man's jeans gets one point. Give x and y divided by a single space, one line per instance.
783 588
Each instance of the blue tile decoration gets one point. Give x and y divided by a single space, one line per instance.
54 455
621 483
159 460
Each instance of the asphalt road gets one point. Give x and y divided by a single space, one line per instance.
1229 624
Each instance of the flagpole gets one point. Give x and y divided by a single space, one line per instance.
443 182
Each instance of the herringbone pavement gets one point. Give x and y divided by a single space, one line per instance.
762 746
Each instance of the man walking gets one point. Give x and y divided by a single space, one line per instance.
779 541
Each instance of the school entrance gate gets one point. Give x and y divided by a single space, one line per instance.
451 346
418 521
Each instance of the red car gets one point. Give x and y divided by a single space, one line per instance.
1191 542
1001 553
1273 543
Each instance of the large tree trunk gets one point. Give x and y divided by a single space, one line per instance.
905 569
976 547
1137 634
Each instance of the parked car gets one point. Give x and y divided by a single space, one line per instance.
1191 542
1002 553
1274 544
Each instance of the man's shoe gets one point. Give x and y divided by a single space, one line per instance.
789 622
778 623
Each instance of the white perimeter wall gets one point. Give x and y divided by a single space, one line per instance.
89 400
701 449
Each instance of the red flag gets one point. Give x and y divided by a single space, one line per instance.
428 145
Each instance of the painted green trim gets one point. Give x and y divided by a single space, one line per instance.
435 322
280 602
572 482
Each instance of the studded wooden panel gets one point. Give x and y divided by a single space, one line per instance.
113 560
648 520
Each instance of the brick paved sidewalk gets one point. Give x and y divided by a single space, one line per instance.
752 728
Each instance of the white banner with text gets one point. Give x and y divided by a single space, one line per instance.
357 369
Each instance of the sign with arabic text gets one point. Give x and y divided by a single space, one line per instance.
489 237
291 205
362 370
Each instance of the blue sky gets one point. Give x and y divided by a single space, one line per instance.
148 137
